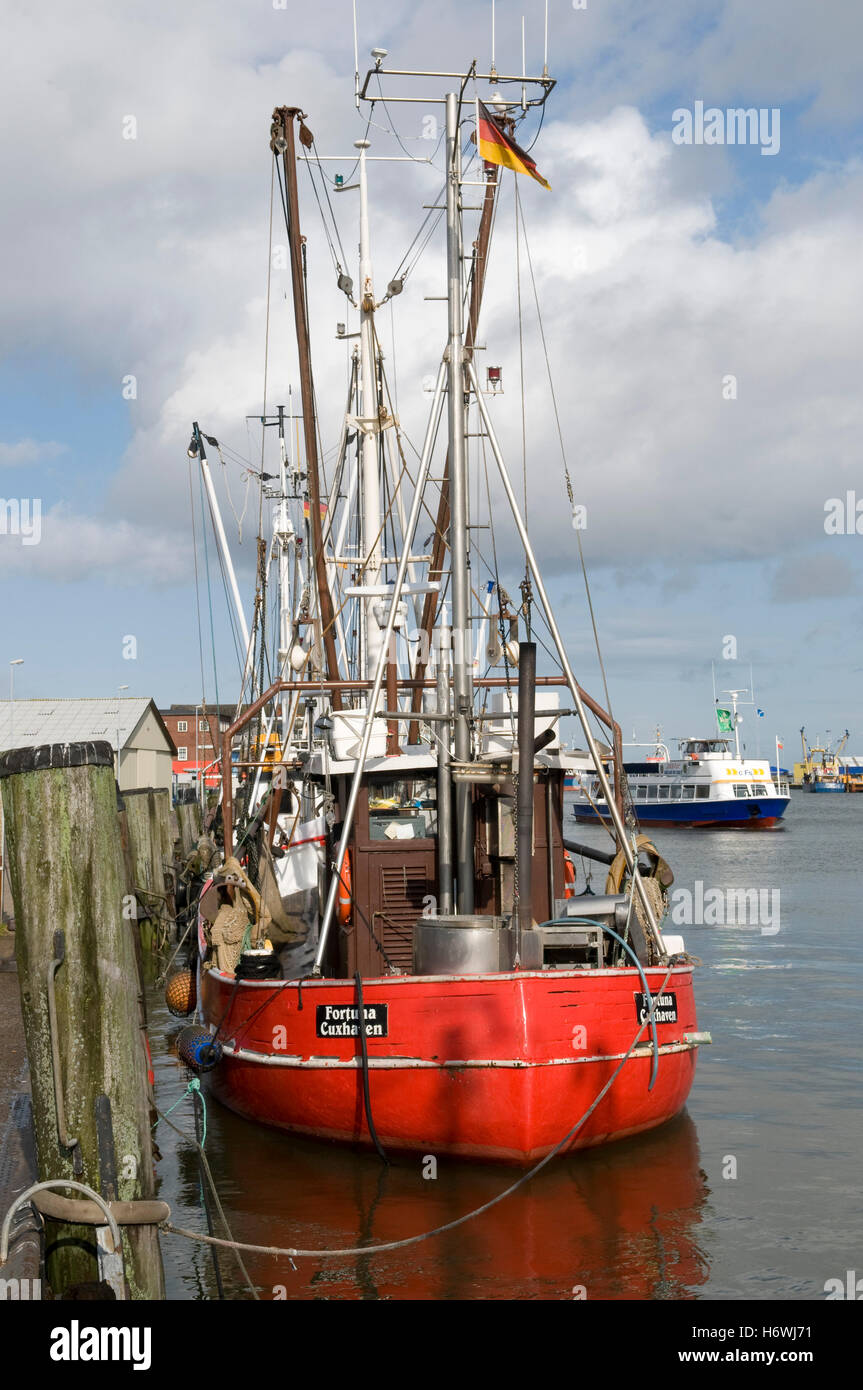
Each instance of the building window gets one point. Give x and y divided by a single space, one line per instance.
182 726
202 726
182 754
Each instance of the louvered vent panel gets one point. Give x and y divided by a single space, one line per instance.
403 888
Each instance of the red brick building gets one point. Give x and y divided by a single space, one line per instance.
196 734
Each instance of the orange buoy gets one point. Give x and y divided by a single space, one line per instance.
568 875
181 993
345 897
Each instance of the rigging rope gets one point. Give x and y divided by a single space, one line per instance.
565 466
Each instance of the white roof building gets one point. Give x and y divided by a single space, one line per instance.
133 724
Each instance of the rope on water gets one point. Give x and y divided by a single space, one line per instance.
387 1246
193 1089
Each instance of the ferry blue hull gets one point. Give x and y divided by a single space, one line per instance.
750 814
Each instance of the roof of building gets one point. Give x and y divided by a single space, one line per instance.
35 722
223 711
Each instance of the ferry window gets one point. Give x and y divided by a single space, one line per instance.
741 789
403 810
759 790
702 792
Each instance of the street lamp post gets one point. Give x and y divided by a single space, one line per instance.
120 689
19 661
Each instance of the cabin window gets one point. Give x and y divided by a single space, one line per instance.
702 792
759 789
403 810
741 789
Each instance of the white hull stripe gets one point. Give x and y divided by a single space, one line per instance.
272 1059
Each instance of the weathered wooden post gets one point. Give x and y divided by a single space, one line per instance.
150 848
73 941
191 825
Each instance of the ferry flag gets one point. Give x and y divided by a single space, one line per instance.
724 721
496 147
760 713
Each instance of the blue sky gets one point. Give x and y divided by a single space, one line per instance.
661 269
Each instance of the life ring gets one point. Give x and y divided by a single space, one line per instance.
568 875
659 869
345 898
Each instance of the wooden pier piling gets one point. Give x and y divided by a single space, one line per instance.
150 853
72 938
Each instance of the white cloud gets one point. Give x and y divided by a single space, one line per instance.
149 257
73 547
25 451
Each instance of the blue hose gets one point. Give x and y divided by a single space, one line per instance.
592 922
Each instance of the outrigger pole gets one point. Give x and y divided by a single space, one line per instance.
456 400
575 689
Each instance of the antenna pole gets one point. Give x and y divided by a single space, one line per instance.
459 539
371 492
357 60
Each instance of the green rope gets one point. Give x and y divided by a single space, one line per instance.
193 1086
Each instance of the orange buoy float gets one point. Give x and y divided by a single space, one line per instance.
181 993
345 898
568 875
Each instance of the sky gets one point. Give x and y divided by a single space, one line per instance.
700 304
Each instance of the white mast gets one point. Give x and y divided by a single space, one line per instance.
285 536
370 426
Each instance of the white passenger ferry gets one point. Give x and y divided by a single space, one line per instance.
708 784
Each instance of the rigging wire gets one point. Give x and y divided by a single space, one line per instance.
569 490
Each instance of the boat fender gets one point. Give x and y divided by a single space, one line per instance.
568 875
345 897
181 995
198 1049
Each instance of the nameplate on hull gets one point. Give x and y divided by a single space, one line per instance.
664 1008
342 1020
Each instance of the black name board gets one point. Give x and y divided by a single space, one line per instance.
664 1008
342 1020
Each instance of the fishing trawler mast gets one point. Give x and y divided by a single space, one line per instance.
497 803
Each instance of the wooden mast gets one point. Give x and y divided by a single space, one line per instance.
283 121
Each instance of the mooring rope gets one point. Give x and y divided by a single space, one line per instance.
385 1247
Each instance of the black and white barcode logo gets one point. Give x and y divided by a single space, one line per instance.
77 1343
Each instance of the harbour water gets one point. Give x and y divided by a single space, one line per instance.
753 1192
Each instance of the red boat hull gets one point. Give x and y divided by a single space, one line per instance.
482 1066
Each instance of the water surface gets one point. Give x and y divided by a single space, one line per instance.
754 1192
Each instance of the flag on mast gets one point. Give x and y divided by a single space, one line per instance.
496 147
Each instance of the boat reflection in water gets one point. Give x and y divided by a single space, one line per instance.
620 1222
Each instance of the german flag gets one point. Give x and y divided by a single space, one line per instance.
497 148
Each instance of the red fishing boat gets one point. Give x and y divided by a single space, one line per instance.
396 949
